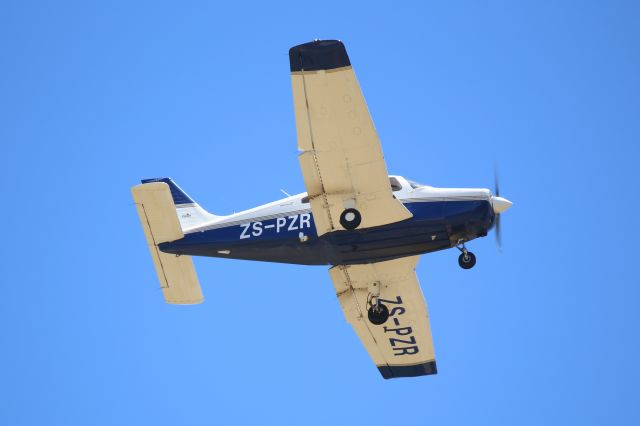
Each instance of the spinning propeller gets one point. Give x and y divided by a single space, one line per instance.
499 205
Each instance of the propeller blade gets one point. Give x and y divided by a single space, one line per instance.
498 232
496 190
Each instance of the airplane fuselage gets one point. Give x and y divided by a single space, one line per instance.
284 231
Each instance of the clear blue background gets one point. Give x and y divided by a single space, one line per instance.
94 97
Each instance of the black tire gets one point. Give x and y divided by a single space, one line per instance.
467 261
350 219
378 314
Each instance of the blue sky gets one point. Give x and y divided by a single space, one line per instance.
96 95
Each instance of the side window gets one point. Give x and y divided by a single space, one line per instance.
395 185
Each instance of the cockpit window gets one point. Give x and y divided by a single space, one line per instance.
395 185
305 200
415 185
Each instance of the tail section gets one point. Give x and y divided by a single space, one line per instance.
190 214
158 214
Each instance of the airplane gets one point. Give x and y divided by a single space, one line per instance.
368 226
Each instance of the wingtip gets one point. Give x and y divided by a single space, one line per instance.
394 371
318 55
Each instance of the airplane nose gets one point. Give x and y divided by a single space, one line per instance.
500 204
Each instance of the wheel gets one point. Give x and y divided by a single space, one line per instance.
467 260
350 219
378 314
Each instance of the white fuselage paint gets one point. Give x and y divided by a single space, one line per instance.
292 214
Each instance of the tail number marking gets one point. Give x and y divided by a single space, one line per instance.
284 224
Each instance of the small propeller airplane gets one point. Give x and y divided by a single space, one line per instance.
369 226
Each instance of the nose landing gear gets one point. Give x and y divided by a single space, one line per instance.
466 260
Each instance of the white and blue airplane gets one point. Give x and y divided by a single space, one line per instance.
369 226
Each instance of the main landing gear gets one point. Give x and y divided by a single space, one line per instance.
466 260
350 219
378 314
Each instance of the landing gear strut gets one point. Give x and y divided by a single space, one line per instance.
378 312
466 260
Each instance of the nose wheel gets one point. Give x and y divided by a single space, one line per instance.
466 260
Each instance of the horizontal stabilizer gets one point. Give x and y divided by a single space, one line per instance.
157 212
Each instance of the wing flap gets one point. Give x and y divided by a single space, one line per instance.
403 345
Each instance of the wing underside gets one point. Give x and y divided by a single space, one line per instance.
402 346
341 159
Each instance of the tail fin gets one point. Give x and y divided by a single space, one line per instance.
190 214
157 212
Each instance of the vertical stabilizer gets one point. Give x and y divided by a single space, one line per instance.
190 214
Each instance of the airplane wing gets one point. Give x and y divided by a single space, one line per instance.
402 346
341 160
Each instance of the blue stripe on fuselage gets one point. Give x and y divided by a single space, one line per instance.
428 230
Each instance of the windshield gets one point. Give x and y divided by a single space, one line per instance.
395 185
415 184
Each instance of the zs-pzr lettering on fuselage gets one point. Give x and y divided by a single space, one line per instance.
281 224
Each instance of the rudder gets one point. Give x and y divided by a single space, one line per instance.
189 212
